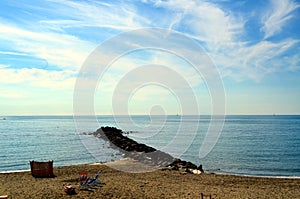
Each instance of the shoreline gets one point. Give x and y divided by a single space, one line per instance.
213 173
154 184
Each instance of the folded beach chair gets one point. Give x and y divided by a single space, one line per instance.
84 185
90 183
94 180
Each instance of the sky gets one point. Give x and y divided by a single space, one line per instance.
254 46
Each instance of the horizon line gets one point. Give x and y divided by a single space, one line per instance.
232 114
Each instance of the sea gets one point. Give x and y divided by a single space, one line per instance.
251 145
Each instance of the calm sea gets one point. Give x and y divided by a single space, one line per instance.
248 145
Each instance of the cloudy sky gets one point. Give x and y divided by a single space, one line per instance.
253 44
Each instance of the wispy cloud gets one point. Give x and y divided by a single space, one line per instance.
61 50
98 14
12 53
219 31
256 61
38 78
277 15
222 34
206 21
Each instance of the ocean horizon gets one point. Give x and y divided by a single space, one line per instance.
254 145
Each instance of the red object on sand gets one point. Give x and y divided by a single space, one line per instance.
82 176
70 190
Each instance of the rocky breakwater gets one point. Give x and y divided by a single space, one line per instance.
143 153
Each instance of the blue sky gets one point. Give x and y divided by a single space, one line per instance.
254 45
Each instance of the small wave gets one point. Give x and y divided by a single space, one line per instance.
256 176
14 171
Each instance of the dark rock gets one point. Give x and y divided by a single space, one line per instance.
140 152
200 168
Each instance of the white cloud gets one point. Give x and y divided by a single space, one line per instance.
277 16
38 78
164 76
222 35
219 31
98 14
61 50
255 61
12 53
206 21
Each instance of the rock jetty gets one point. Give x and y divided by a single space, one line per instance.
141 152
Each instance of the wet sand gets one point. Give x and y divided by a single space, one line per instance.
155 184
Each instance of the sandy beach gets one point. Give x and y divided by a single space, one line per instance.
155 184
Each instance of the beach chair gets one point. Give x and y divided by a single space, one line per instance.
90 183
84 185
94 180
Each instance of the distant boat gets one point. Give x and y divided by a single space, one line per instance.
4 118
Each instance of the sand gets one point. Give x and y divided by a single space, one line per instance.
155 184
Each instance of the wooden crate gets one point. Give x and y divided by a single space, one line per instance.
42 169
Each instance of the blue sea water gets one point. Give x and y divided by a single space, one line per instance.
261 145
43 138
